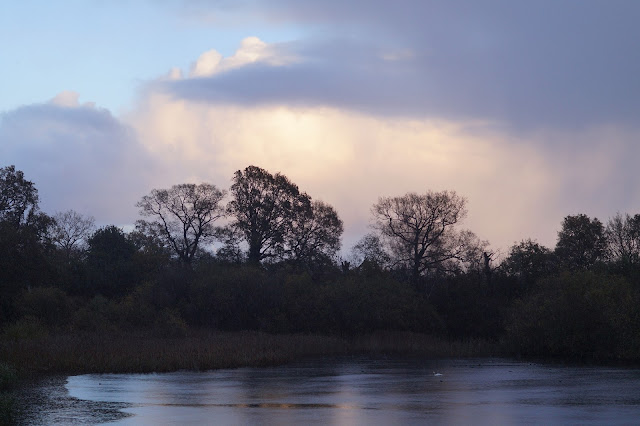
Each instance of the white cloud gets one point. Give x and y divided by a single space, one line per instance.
349 160
519 185
79 157
251 50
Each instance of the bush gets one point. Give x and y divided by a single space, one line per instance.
99 314
7 409
49 305
24 328
8 377
584 316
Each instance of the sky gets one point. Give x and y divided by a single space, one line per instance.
528 109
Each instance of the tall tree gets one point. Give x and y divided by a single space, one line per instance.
18 198
23 238
183 216
264 207
315 232
581 242
420 230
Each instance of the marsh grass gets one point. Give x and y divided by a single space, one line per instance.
201 350
8 381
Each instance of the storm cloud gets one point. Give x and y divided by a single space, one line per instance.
526 65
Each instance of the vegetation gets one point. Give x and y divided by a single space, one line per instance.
179 292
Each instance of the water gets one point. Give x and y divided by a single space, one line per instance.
346 392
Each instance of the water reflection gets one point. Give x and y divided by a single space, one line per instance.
368 391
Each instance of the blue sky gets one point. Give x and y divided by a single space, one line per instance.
529 109
106 50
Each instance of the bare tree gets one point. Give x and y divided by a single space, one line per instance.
183 216
623 238
419 231
71 230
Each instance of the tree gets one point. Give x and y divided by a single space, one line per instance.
23 238
581 242
370 249
314 232
623 239
528 261
420 232
264 207
18 198
70 230
183 216
110 258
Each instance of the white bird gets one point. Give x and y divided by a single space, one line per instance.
437 374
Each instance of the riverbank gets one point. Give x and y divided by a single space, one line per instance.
49 353
203 350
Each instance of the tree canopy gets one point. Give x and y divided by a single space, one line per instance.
420 230
183 216
70 230
581 242
623 238
314 232
18 197
264 207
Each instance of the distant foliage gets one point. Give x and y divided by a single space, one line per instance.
583 315
275 267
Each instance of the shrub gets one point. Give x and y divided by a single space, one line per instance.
24 328
8 377
583 315
49 305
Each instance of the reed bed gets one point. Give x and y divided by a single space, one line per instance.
141 353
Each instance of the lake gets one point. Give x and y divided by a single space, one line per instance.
346 391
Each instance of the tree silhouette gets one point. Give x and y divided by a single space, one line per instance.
110 258
264 207
183 216
70 230
528 261
419 230
18 198
314 232
581 242
623 239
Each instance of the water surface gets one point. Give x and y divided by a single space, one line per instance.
353 391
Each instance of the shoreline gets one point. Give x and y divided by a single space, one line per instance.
138 352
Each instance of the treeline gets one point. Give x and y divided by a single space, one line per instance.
268 260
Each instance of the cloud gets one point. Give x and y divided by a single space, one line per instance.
528 65
527 109
348 137
79 157
252 50
516 188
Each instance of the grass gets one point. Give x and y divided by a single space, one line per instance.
8 381
202 350
32 355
